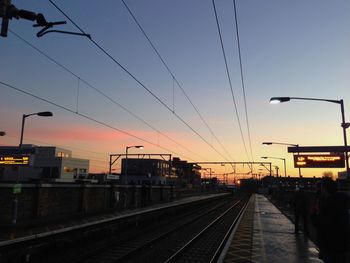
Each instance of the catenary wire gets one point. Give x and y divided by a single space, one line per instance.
229 79
102 93
242 78
91 159
174 78
90 118
139 82
60 145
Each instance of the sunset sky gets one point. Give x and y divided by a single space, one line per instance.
289 48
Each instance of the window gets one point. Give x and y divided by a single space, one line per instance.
63 155
67 169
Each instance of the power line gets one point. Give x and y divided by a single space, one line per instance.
89 118
173 77
229 78
242 78
71 148
139 82
101 93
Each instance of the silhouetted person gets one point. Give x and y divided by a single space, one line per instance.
300 204
315 207
332 223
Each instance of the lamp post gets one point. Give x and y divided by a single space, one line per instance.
344 125
42 114
277 168
15 200
284 161
126 158
283 143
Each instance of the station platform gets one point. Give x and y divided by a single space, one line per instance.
18 233
264 234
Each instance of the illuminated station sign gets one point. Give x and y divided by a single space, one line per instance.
14 160
319 161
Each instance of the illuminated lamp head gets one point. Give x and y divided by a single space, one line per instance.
275 100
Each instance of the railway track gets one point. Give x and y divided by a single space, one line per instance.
164 237
207 245
195 237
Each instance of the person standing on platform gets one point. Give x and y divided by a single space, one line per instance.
300 204
315 209
332 223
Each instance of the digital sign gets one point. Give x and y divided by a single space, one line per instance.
319 161
14 160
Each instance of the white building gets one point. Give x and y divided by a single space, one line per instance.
45 162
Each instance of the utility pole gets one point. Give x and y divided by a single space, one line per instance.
9 11
277 168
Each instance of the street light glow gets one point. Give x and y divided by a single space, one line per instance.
344 124
276 100
135 146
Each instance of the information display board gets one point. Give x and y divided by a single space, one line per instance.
319 161
14 160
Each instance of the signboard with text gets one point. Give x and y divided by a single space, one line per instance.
112 177
14 159
319 161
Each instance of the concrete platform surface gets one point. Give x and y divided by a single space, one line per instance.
264 234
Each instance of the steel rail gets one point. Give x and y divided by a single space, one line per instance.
99 226
195 238
137 246
227 235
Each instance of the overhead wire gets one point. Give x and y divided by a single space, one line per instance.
90 118
93 159
229 78
174 78
59 145
139 82
80 79
242 78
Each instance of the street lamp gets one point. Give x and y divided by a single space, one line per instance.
42 114
126 158
283 143
284 161
277 169
15 200
344 125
